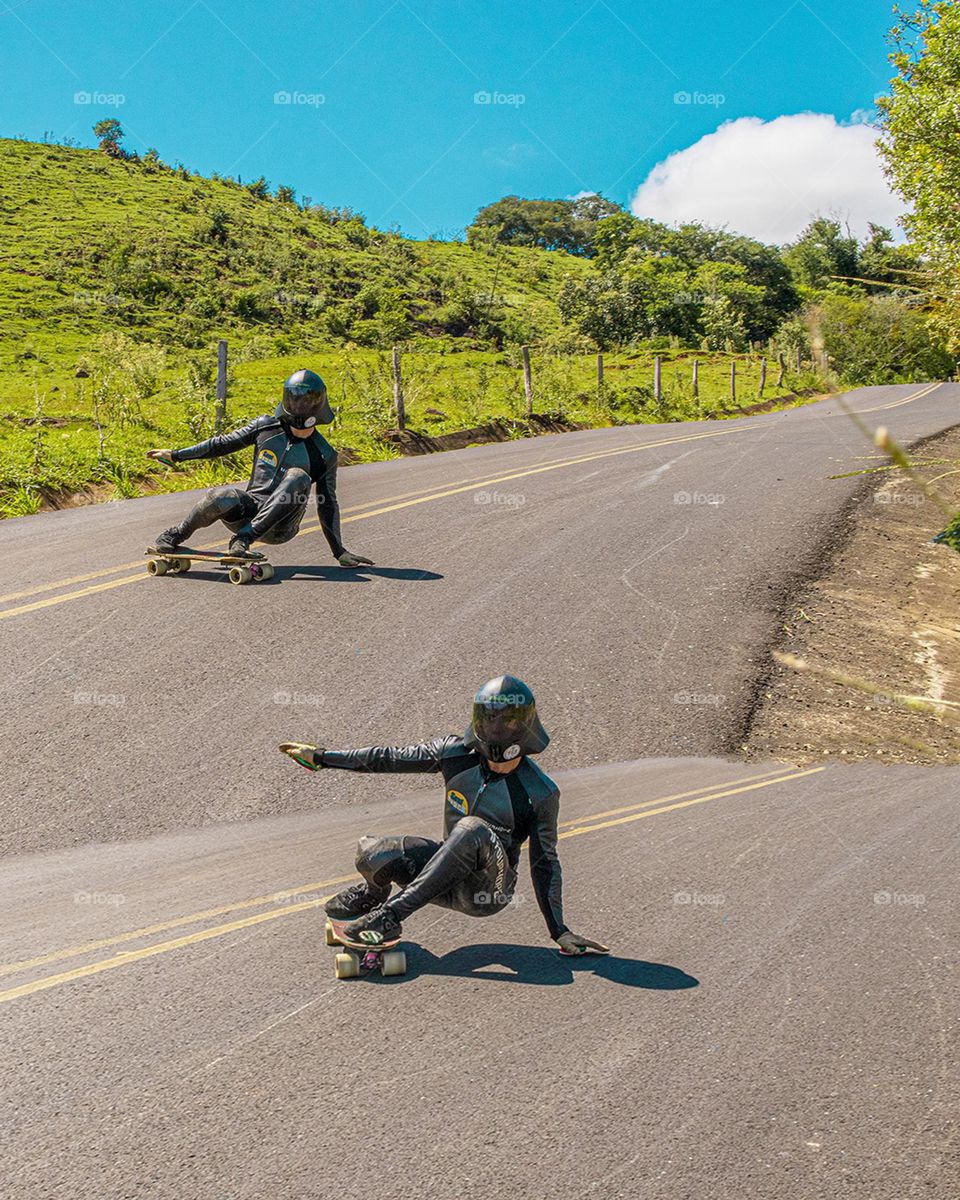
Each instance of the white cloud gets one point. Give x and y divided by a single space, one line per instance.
768 178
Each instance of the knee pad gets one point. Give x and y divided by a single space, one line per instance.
381 861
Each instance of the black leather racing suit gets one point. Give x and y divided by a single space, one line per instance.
486 818
271 507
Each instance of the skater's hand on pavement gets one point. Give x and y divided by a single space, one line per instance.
307 756
573 943
163 456
347 559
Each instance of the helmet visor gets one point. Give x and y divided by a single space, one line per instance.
303 406
505 730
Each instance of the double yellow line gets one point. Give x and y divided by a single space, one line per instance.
360 512
590 824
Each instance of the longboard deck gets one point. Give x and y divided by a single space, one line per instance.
203 555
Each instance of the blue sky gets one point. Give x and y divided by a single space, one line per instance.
384 114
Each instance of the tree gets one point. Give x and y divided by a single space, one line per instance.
109 134
568 225
285 195
821 253
921 145
879 339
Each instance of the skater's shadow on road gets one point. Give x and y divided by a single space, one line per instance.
540 965
336 574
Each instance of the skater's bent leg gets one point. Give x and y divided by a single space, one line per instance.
386 860
283 506
469 872
232 505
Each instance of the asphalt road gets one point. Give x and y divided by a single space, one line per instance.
633 576
779 1014
778 1017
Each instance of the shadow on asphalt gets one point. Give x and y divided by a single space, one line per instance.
337 574
540 965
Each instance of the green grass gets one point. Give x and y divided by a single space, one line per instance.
116 282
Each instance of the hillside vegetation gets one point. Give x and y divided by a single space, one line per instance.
118 275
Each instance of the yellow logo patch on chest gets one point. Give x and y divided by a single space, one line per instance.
268 458
458 801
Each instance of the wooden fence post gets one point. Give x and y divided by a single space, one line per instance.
799 361
398 403
657 379
599 372
763 376
220 411
696 379
733 381
783 369
527 379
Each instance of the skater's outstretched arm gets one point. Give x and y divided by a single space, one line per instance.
399 760
328 510
224 443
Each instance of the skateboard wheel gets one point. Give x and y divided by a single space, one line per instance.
329 936
393 962
346 965
240 575
157 566
266 571
183 565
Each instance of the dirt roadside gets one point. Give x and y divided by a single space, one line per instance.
885 610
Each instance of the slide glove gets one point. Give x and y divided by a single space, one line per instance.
347 559
162 456
307 756
573 943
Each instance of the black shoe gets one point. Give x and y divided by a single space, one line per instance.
355 901
168 541
379 927
241 547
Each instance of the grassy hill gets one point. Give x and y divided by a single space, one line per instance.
118 277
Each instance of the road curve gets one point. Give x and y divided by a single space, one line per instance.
778 1016
634 576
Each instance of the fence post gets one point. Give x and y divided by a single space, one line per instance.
657 379
398 404
763 376
799 361
733 381
696 379
527 379
220 411
599 372
783 369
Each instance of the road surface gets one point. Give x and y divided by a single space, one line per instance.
778 1016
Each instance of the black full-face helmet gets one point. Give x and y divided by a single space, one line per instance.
505 724
304 401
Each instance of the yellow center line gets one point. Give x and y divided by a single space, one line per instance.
162 926
899 403
588 825
389 507
662 800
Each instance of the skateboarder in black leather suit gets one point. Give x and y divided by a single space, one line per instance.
496 799
289 457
